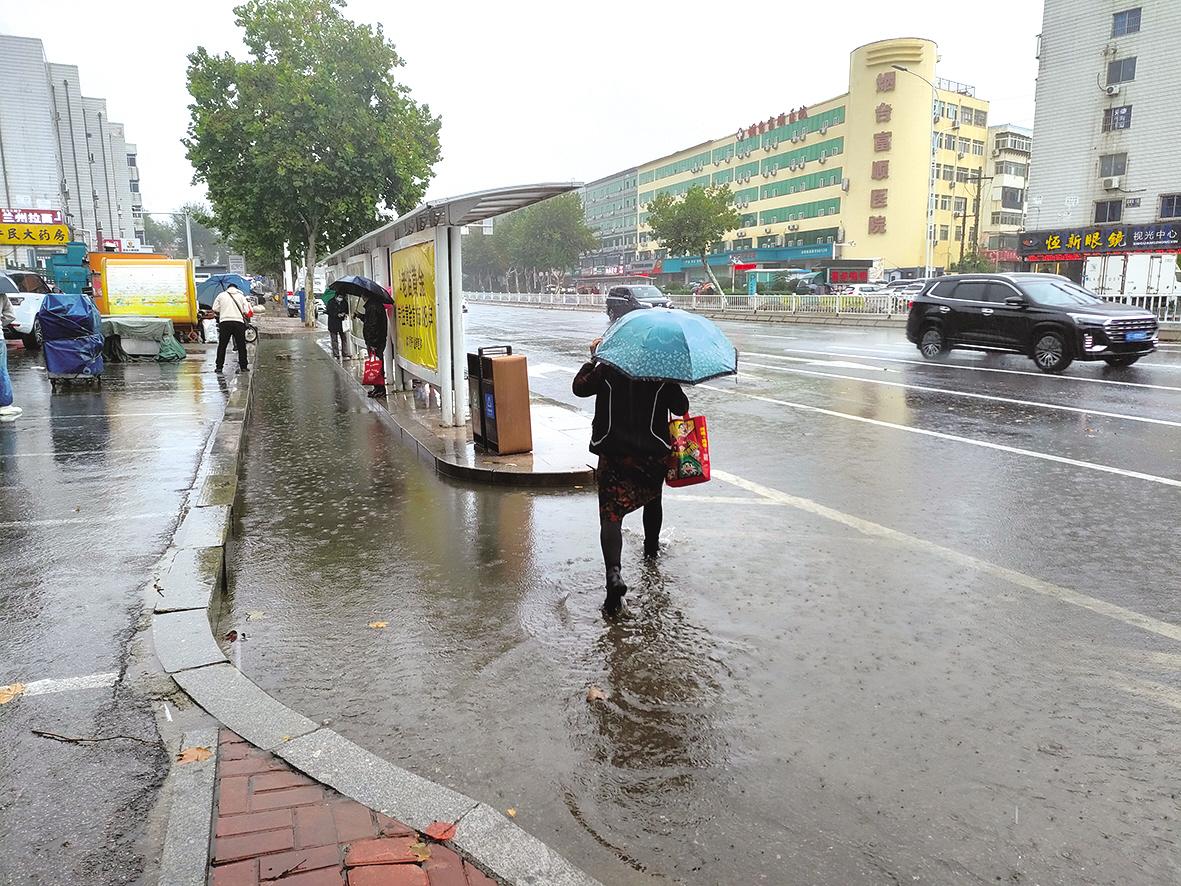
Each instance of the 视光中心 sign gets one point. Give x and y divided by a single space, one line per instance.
1076 243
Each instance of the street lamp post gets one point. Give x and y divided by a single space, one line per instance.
188 227
929 270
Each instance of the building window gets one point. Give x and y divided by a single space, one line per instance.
977 147
1170 204
961 205
945 202
1012 198
1126 22
962 174
1108 211
1122 70
1117 118
1113 164
959 235
944 232
981 118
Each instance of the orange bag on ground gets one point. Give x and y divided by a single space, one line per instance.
688 463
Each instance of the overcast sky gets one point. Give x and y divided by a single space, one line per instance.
547 91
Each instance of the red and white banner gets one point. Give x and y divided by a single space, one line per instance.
32 217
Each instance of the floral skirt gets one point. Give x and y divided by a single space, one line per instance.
628 482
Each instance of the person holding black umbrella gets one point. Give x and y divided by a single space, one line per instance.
374 321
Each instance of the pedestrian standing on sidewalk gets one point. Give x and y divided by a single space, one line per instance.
231 309
338 313
375 329
630 435
8 412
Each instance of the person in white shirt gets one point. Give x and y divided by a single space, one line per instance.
8 412
231 309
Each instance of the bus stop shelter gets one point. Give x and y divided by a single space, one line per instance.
419 257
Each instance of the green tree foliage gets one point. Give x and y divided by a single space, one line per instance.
695 222
311 141
160 234
974 263
540 241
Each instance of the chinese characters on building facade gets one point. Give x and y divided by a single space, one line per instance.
1076 243
883 142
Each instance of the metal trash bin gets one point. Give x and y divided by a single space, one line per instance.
498 394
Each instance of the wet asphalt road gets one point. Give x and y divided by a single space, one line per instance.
91 483
905 636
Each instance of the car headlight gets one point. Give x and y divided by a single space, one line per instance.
1087 319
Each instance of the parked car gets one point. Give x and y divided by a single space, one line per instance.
625 299
1044 316
864 289
27 289
903 284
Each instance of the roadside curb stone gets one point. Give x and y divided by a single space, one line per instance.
184 641
192 580
190 820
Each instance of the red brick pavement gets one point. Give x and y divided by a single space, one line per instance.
275 825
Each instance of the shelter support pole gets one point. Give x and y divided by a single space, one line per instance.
443 325
459 359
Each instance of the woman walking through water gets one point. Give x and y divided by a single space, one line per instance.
630 435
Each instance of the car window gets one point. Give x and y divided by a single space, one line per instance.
1056 292
646 293
998 291
972 290
619 292
6 284
31 283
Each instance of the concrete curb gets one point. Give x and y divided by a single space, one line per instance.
446 467
192 579
185 858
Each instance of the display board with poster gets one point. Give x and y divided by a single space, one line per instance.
412 278
150 289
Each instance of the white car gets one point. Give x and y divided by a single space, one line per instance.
864 289
26 291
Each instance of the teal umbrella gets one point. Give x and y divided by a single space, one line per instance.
662 344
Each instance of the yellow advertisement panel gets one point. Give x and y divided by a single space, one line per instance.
34 235
412 272
161 288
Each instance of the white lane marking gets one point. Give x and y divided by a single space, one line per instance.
843 364
1045 456
996 352
69 521
28 415
546 368
70 684
1049 589
65 452
934 364
1034 403
1153 691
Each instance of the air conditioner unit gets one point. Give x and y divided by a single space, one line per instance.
767 148
766 230
795 137
1112 183
824 129
741 234
844 184
955 124
960 155
996 152
803 136
728 158
823 159
774 171
1113 89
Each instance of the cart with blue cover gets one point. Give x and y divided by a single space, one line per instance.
73 340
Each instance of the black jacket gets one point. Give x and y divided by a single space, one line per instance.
374 322
338 311
631 417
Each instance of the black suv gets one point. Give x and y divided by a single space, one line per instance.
625 299
1044 316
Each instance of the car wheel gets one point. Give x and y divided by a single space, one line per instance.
1121 360
30 342
1051 353
933 345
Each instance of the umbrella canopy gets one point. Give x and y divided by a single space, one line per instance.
354 285
662 344
208 289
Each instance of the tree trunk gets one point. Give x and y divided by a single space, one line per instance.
710 271
309 313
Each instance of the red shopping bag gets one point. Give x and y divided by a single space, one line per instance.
688 463
374 371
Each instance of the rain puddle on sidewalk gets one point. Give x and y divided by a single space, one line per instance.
494 636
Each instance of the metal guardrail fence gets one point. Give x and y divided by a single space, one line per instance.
771 303
1166 307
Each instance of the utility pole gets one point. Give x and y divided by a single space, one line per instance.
189 235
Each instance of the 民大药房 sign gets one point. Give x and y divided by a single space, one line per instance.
412 276
33 235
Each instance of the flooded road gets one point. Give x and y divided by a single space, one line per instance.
867 656
91 485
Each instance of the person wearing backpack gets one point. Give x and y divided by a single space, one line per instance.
232 311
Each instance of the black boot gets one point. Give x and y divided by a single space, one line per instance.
651 549
613 605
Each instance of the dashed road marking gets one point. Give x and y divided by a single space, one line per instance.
71 521
70 684
70 452
955 438
974 396
936 365
1012 576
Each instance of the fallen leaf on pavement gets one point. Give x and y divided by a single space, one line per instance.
378 625
440 830
596 694
420 851
11 691
232 636
511 812
255 616
193 755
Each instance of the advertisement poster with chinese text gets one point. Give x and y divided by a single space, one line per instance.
412 276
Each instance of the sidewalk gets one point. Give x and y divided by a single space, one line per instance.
273 824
